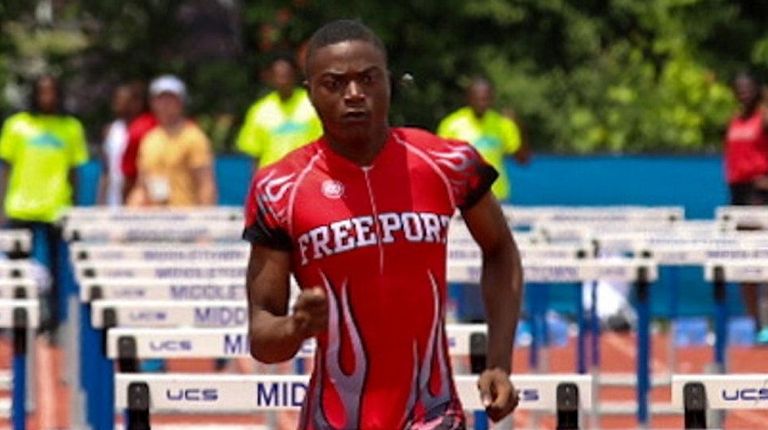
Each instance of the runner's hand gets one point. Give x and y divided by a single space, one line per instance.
310 312
497 393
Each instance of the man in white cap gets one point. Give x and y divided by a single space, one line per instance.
175 160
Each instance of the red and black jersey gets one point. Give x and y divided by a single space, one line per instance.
374 237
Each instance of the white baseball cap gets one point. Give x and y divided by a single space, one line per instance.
168 84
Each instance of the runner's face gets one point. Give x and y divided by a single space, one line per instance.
349 88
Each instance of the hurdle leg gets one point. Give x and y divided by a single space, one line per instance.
581 349
105 417
721 335
567 407
72 368
695 406
137 413
19 410
88 351
643 346
674 299
478 348
31 363
721 320
594 331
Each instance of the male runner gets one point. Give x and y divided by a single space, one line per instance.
360 217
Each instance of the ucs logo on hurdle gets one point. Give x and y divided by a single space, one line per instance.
192 394
752 394
170 345
291 394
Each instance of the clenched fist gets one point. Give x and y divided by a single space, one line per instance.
497 393
310 312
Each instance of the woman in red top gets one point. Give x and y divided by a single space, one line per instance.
746 145
746 165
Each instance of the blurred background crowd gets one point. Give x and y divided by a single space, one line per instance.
615 76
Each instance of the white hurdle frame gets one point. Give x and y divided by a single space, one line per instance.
140 394
149 343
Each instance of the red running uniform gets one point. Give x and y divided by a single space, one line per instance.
375 239
746 149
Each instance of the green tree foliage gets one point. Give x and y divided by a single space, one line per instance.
617 76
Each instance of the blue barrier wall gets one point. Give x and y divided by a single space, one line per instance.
695 182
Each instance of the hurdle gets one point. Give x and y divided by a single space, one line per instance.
161 270
86 214
688 247
16 243
642 272
141 395
528 216
22 288
721 272
19 315
84 251
128 343
132 232
747 217
161 289
695 395
101 239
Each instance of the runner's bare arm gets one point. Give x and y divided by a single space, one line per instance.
502 289
274 335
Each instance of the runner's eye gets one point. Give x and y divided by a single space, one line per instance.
332 84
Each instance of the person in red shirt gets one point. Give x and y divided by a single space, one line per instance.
746 166
137 129
746 144
360 217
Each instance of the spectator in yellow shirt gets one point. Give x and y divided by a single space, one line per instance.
494 135
175 158
281 121
40 150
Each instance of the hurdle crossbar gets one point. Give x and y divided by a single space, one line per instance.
16 242
235 394
565 271
737 270
159 270
204 213
164 232
162 289
144 313
147 343
19 288
80 251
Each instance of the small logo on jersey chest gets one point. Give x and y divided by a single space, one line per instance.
332 189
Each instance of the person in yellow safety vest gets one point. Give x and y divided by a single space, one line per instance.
281 121
493 134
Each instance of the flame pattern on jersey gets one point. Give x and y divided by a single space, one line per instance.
436 404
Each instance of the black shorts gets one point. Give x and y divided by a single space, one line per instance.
745 194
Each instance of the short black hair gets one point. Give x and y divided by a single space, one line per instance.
748 74
279 56
343 30
480 80
34 96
